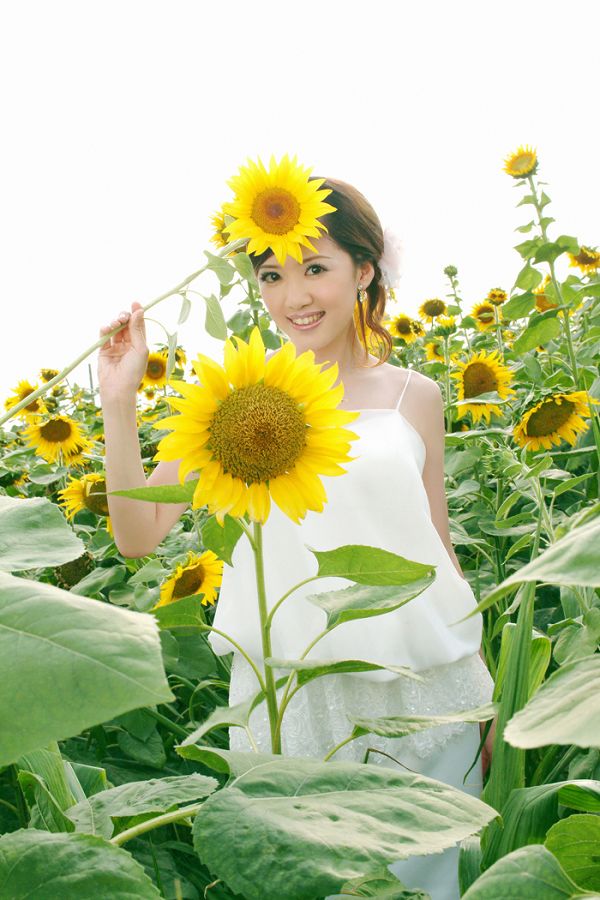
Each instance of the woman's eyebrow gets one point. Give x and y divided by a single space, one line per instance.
308 259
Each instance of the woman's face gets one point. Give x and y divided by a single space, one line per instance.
325 283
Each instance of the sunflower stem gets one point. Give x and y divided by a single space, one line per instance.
234 245
270 689
150 824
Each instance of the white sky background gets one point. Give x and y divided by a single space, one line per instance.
123 120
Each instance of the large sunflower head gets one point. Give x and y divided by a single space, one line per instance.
58 435
200 574
522 163
33 410
556 417
429 310
278 209
258 429
485 315
587 260
481 373
156 371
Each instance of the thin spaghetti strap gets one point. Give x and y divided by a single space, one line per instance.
404 389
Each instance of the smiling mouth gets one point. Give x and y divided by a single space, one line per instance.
307 321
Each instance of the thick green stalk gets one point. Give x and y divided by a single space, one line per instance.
271 692
150 824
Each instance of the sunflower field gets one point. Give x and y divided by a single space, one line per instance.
116 777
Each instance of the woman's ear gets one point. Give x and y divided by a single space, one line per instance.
366 272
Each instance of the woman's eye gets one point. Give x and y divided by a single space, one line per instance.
265 277
316 266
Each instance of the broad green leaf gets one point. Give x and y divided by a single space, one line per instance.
157 795
528 278
538 332
34 534
184 613
229 762
325 823
163 493
575 842
50 766
469 862
214 322
45 811
308 669
400 726
40 865
70 663
527 249
362 601
221 539
572 560
531 873
221 267
381 885
519 306
582 794
148 751
529 813
243 264
369 565
579 639
565 709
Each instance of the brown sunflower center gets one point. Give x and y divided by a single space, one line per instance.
156 368
403 325
96 498
434 307
258 433
56 431
549 418
34 406
276 211
587 257
189 582
478 379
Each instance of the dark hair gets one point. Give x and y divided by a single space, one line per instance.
356 228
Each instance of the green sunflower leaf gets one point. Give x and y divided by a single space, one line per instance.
34 534
530 873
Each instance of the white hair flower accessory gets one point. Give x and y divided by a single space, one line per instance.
391 260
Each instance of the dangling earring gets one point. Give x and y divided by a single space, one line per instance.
362 295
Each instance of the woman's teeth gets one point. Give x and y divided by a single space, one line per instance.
309 320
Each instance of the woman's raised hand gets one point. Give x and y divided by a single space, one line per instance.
123 358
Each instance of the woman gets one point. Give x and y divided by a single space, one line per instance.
392 496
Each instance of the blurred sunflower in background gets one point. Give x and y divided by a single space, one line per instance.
481 373
429 310
48 374
434 351
33 410
557 417
156 371
87 492
587 260
58 435
277 209
198 575
402 326
542 301
484 315
258 429
522 163
497 296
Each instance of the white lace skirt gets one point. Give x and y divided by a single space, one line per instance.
316 720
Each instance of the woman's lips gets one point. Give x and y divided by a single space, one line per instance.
309 326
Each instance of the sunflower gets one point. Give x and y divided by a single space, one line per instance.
33 410
431 309
156 371
48 374
257 429
87 492
481 374
401 326
76 457
497 296
417 328
446 325
57 435
542 301
434 351
587 260
277 210
555 418
484 315
522 163
199 575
